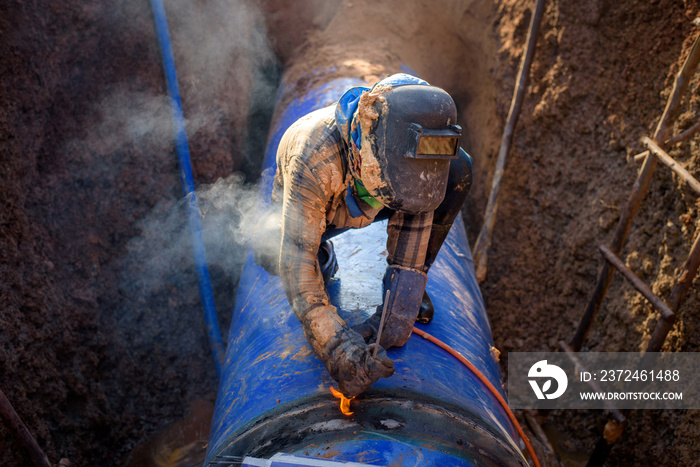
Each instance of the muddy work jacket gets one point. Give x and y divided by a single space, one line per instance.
318 194
315 195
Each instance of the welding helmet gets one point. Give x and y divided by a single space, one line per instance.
408 135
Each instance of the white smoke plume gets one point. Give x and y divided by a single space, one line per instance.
222 57
227 74
229 210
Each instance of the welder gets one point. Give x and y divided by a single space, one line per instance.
392 152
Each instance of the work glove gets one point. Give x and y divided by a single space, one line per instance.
406 288
354 367
426 310
344 353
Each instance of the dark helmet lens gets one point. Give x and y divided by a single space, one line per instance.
437 146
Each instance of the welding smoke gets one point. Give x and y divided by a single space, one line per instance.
215 39
229 210
221 53
130 120
218 43
223 62
227 73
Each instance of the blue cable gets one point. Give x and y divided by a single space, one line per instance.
183 153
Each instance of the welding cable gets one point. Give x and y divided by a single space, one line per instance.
487 383
183 153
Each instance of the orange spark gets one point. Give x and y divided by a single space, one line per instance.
344 401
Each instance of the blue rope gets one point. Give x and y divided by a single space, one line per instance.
183 153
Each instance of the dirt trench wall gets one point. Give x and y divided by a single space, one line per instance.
101 331
599 82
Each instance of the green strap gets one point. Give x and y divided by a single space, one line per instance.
365 196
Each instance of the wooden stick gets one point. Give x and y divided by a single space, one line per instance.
679 87
671 163
680 137
483 242
28 442
639 158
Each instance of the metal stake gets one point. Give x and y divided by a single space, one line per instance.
25 438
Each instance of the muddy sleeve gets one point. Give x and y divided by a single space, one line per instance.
407 243
303 223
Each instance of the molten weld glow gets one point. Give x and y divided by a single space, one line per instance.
344 401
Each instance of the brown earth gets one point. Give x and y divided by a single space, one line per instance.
101 335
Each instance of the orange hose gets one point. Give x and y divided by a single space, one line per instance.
487 383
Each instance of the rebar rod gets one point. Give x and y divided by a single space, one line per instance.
684 135
685 278
25 438
539 432
616 413
680 289
638 284
483 242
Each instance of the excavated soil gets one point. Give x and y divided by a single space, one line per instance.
102 338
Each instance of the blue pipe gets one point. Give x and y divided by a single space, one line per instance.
183 153
274 392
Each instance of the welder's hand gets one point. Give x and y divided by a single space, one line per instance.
406 287
354 367
367 329
344 352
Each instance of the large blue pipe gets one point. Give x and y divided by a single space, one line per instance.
274 394
183 153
